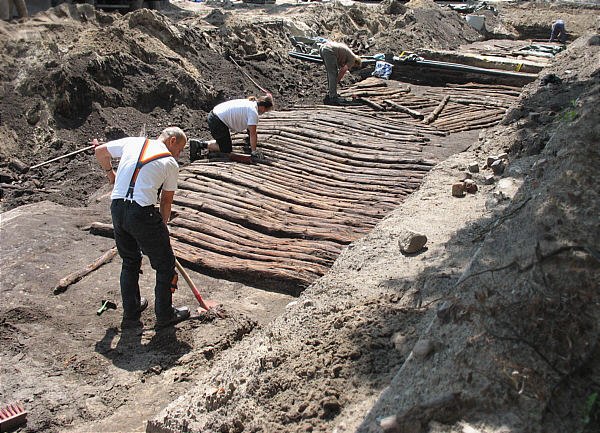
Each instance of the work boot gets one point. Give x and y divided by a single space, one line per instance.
196 147
138 314
178 315
336 100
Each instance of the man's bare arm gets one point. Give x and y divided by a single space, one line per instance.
105 160
166 200
253 136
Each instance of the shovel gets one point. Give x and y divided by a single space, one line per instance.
205 305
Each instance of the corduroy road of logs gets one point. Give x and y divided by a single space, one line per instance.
331 174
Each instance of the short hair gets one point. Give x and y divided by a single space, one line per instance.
265 101
174 131
357 62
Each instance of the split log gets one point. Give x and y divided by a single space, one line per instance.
250 270
72 278
402 109
209 224
344 195
372 104
344 161
265 205
208 243
434 115
277 217
340 235
311 199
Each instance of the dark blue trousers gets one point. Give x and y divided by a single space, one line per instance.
141 230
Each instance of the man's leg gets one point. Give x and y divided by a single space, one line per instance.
21 8
5 10
220 132
332 71
151 233
132 261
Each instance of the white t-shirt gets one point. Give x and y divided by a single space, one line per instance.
237 114
159 172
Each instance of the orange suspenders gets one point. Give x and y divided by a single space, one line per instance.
143 160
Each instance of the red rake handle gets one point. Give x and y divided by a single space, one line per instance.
190 283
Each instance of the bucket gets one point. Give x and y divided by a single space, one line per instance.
476 21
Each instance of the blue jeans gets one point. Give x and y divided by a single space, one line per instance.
141 230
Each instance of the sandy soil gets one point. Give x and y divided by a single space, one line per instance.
500 309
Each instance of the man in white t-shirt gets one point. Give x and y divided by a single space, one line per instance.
146 169
237 115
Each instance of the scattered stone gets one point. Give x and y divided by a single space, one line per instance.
307 303
422 348
489 179
491 160
503 156
474 167
458 189
466 175
498 167
389 424
398 340
411 242
470 186
331 406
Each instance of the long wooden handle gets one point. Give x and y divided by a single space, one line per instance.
61 157
190 283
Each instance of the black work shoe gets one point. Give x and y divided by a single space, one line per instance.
131 323
143 304
196 147
178 315
136 316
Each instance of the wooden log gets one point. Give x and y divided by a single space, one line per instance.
319 250
347 159
102 229
371 173
73 277
267 205
248 269
485 103
434 115
208 243
469 120
371 104
374 183
344 195
340 235
402 109
322 248
311 200
358 157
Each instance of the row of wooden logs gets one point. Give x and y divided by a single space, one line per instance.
331 175
453 108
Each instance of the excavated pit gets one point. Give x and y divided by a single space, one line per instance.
325 199
332 173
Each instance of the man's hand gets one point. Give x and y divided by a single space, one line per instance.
257 155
